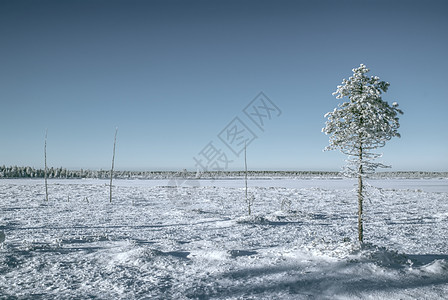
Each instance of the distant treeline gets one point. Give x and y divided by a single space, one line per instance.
62 173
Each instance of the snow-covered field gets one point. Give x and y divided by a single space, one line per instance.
156 241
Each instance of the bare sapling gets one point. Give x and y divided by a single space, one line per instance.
249 200
46 169
112 168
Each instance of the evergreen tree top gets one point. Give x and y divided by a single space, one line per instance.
365 121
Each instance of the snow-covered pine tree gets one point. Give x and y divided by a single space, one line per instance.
361 124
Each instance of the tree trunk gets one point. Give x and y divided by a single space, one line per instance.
360 197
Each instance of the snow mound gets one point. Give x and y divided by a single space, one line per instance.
362 253
439 266
237 253
256 220
380 256
332 248
269 219
141 255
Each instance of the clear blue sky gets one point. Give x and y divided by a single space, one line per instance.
172 74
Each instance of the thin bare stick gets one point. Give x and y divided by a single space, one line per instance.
245 178
45 172
113 160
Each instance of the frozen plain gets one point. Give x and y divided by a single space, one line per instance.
157 240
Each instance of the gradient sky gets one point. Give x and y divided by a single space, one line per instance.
172 74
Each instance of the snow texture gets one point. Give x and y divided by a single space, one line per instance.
162 242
